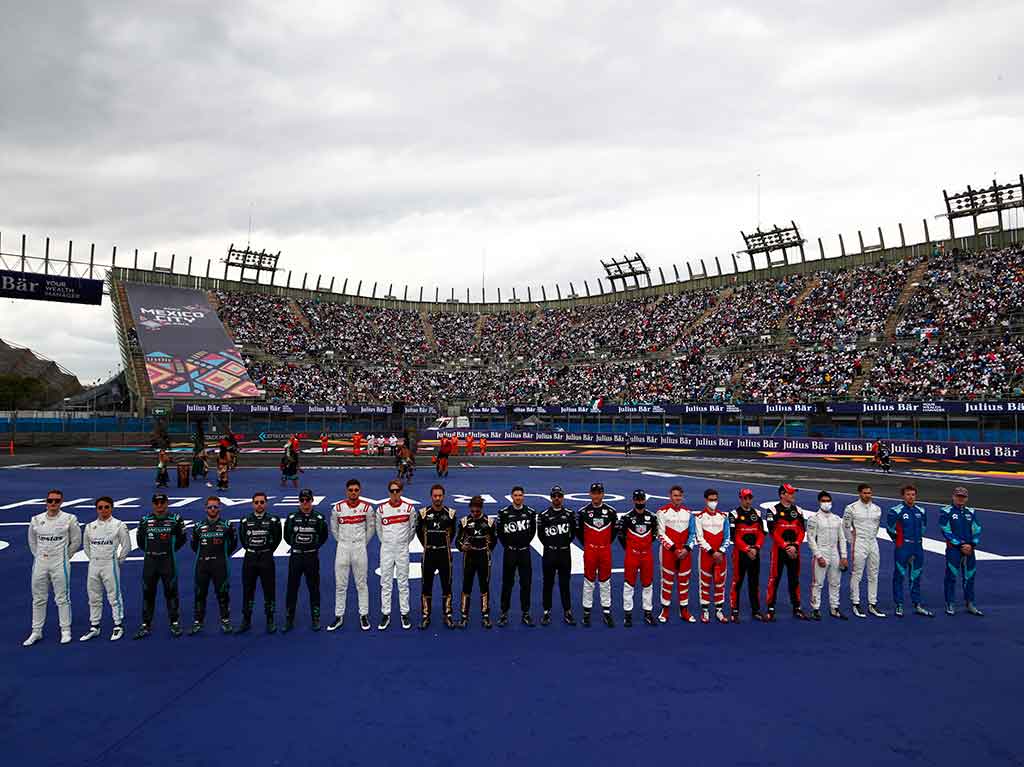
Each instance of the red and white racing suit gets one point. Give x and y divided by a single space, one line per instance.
713 537
352 525
396 527
677 531
595 526
636 534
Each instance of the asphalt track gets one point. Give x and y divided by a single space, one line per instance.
915 690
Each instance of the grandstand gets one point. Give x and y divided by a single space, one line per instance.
930 321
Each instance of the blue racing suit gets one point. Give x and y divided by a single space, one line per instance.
905 525
959 525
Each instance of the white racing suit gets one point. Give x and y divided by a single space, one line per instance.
53 541
861 523
826 539
107 544
396 527
352 527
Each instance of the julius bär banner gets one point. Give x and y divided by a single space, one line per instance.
48 287
188 353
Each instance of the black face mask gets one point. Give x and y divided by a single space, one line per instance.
639 506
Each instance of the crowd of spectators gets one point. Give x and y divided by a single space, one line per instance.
954 339
850 304
947 367
967 293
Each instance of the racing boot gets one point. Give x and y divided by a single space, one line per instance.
385 622
545 618
92 633
627 620
770 617
816 615
271 623
117 633
875 612
197 626
364 622
606 616
899 611
799 614
425 612
720 615
337 623
950 609
464 611
448 622
406 622
225 626
289 622
586 617
527 620
503 620
663 615
316 619
705 615
857 612
35 636
972 609
649 618
485 611
758 616
924 612
569 618
684 615
835 612
142 633
175 629
246 623
65 636
735 617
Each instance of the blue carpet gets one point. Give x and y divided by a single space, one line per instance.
939 691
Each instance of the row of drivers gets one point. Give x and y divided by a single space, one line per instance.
54 535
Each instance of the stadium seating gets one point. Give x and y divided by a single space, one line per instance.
945 327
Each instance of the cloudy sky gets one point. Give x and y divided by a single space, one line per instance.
409 141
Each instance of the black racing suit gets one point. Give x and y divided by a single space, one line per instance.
160 536
260 535
305 533
476 540
436 530
213 541
556 529
516 529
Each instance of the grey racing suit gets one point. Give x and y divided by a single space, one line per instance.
352 527
861 521
53 540
826 539
396 527
106 542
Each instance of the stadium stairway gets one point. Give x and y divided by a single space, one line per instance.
867 361
293 305
131 355
909 289
428 330
782 332
478 332
704 316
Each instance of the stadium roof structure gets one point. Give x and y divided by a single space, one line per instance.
974 203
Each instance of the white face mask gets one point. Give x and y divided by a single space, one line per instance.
826 506
712 505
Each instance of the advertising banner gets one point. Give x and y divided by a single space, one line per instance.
49 287
822 446
188 353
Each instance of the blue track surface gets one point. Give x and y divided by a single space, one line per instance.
942 691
